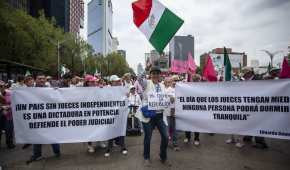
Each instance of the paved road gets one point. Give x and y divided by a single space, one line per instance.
212 154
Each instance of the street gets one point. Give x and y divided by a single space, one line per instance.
213 153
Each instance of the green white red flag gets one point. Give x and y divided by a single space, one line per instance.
156 22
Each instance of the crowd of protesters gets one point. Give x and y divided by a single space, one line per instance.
138 88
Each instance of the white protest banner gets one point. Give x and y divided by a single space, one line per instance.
69 115
256 108
158 101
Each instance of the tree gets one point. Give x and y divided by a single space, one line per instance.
33 41
112 64
117 65
198 70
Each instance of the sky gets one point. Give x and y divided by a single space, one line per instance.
245 26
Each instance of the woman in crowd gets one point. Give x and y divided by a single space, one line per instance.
138 86
5 103
196 142
127 82
134 103
91 81
169 113
116 81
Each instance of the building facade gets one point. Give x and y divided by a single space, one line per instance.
237 59
155 59
180 47
115 44
140 69
100 26
255 63
122 53
20 4
68 14
76 16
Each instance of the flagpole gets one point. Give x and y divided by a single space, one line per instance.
57 43
58 61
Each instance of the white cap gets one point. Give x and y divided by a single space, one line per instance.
114 78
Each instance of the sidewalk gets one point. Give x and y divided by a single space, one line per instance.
212 154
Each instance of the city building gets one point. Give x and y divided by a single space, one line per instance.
68 14
148 63
20 4
164 62
10 70
237 59
155 59
140 69
100 26
82 13
180 47
115 44
76 16
122 53
261 70
255 63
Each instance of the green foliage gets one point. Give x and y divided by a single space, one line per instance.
33 41
117 64
198 70
111 64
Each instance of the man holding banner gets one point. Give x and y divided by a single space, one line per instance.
40 82
68 115
240 108
196 142
248 75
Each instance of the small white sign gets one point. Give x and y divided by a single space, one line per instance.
158 101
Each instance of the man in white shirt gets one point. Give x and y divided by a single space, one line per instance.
149 124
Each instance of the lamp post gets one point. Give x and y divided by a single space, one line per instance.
289 52
58 43
58 61
83 57
108 67
272 55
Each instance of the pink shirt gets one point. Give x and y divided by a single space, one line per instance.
138 87
7 102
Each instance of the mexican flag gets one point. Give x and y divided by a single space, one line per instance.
156 21
27 73
227 66
63 70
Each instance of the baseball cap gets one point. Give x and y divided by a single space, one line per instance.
155 69
114 78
